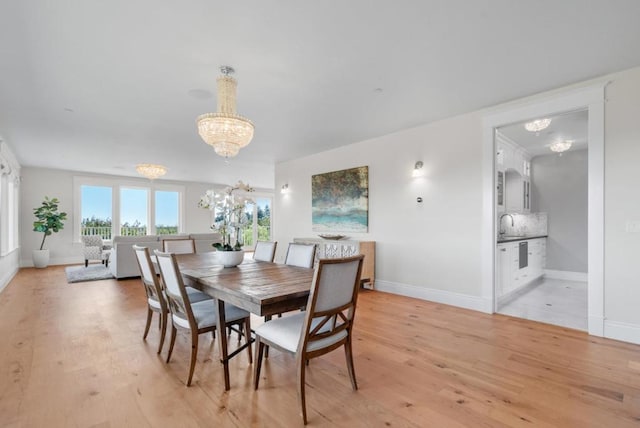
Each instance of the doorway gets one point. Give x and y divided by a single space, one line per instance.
591 99
542 238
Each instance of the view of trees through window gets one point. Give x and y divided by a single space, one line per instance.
97 211
262 226
167 204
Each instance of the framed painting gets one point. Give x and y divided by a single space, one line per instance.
340 201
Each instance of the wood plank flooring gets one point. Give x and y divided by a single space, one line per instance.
72 355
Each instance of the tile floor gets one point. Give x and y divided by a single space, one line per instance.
552 301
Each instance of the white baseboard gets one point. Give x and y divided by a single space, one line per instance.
74 260
438 296
623 331
566 275
596 325
6 278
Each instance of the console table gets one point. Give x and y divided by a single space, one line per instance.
330 249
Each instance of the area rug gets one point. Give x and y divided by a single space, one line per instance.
93 272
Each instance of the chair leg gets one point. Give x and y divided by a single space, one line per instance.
240 332
171 342
163 330
247 337
86 263
258 365
349 356
301 372
194 355
146 327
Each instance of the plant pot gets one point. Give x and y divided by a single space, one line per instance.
230 258
40 258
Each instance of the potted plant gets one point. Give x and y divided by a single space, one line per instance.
49 220
230 218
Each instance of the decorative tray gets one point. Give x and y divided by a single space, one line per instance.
332 237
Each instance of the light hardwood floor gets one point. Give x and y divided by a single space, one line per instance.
72 355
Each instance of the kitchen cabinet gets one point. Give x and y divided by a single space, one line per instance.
511 275
513 182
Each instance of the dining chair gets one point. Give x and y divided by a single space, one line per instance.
195 318
326 325
179 246
265 251
156 301
302 255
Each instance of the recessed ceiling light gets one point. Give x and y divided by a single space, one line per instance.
70 110
378 90
200 94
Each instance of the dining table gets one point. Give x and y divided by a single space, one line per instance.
262 288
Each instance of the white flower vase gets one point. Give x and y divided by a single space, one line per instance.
230 258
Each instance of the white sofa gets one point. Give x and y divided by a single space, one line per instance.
122 262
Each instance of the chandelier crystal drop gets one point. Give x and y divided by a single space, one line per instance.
225 130
151 171
537 125
561 146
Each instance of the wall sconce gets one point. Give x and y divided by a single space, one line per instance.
284 189
418 171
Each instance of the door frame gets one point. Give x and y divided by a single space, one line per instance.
590 98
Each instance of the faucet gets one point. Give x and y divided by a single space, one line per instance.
502 231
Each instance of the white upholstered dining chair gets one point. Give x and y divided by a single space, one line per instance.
194 318
326 325
179 246
265 251
156 301
301 255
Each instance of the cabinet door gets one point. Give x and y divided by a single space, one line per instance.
503 271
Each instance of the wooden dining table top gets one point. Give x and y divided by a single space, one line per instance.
262 288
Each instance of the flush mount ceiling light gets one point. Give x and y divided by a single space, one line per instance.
537 125
561 146
225 130
151 171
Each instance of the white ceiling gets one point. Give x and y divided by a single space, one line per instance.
571 126
102 85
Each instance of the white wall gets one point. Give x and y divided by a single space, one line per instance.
559 188
432 250
429 249
40 182
622 205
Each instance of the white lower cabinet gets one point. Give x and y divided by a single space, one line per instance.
509 275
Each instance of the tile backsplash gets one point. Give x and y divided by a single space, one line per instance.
524 224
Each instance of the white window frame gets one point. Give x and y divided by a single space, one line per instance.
116 184
9 203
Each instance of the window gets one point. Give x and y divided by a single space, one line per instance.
9 217
96 210
258 227
133 211
167 212
110 207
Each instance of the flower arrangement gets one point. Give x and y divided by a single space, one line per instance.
229 210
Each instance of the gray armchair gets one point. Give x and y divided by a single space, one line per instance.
94 249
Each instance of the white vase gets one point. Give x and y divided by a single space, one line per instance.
230 258
40 258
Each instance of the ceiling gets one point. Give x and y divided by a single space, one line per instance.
101 86
571 126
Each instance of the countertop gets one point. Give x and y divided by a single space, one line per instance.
512 238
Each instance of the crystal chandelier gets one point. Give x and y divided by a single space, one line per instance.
561 146
151 171
537 125
224 130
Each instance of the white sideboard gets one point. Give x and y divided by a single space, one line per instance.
330 249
